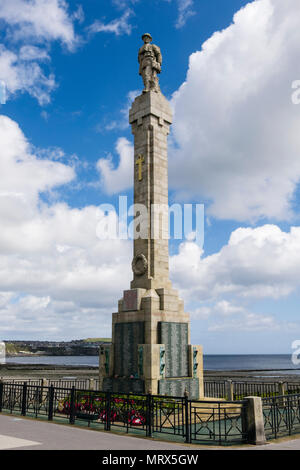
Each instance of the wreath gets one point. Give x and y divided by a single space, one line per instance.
139 264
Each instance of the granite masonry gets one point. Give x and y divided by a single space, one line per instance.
150 349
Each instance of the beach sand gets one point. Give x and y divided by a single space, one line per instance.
38 371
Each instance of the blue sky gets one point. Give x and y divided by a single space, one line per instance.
71 72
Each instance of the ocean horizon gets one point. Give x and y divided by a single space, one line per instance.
212 362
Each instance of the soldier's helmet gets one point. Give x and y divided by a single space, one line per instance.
147 35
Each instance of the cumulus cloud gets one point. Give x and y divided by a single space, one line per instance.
26 24
185 11
225 315
54 270
39 20
115 180
262 262
21 73
23 176
235 132
118 26
122 122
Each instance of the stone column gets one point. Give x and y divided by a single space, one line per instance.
151 331
150 118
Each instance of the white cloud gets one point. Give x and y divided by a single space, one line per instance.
118 26
21 73
185 11
121 123
236 131
256 263
22 174
248 322
56 276
115 180
39 20
33 53
25 24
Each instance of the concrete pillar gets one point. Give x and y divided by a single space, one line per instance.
282 389
91 384
229 387
254 421
44 385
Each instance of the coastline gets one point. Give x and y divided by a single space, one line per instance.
17 371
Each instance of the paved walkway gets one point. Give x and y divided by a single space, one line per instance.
21 434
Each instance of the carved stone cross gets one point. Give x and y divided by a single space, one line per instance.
139 162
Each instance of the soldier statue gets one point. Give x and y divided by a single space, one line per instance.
150 60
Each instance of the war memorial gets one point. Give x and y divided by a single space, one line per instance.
151 348
150 378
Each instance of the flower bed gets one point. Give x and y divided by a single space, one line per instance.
93 407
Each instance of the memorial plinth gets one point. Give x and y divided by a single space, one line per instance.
151 347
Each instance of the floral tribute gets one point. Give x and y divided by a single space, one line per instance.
93 407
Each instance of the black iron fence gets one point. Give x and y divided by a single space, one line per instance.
254 389
219 389
281 415
84 384
238 390
215 389
175 418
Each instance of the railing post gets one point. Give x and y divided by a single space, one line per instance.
51 400
254 422
149 414
282 389
72 406
44 387
24 399
229 387
187 416
1 394
91 384
107 411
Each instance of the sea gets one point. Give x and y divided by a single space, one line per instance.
245 362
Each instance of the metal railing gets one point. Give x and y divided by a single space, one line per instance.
219 389
281 415
254 389
177 418
215 389
238 390
84 384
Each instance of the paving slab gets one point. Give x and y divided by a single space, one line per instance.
29 434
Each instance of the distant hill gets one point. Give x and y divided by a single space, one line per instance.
97 340
79 347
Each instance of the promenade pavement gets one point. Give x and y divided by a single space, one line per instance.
17 433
